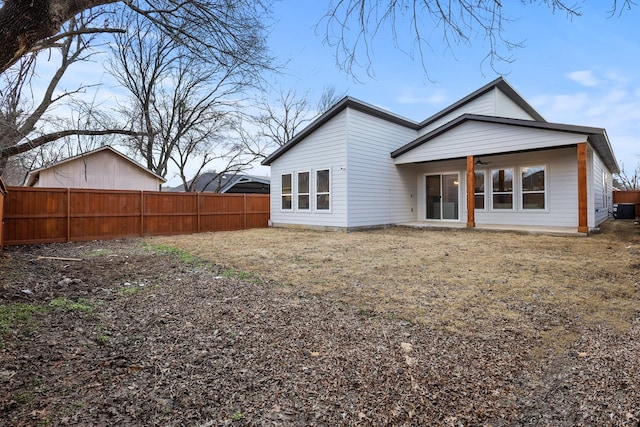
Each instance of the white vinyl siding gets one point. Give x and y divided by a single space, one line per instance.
600 196
506 107
493 103
478 138
561 186
324 149
379 192
483 105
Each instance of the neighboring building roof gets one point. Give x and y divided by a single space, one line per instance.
348 102
597 136
34 175
209 181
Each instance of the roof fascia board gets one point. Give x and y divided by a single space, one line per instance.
501 84
97 150
499 120
346 102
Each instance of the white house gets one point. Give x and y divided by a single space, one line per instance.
489 160
103 168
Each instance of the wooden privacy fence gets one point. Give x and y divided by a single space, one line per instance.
628 196
47 215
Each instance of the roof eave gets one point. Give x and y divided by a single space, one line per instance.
597 136
344 103
501 84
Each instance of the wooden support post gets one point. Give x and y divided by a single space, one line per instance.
582 188
471 200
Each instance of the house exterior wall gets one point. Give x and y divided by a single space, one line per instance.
561 188
324 149
600 196
506 107
434 168
103 170
379 193
483 105
492 103
478 138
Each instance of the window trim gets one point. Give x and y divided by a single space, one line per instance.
484 194
298 193
283 194
512 192
545 169
319 193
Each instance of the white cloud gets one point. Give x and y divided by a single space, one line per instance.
583 77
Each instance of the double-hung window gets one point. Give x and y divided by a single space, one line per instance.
478 189
502 188
533 187
303 190
286 190
323 190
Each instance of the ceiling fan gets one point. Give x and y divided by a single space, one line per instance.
480 162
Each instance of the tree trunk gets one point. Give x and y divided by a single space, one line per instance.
25 23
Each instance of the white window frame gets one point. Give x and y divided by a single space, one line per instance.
320 193
283 195
523 192
299 193
484 194
513 193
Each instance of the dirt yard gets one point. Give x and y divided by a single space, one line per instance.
288 327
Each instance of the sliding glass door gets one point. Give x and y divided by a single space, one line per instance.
442 196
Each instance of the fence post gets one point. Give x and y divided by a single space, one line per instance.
244 196
198 208
68 214
3 192
141 213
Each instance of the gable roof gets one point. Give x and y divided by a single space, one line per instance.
597 137
499 83
349 102
208 181
34 175
346 102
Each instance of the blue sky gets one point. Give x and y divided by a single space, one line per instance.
582 71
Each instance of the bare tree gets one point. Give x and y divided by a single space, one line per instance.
25 119
282 119
330 97
351 26
629 180
208 28
182 106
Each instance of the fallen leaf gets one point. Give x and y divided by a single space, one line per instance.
406 346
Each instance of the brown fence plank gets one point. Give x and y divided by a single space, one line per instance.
43 215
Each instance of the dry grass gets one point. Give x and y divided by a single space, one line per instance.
546 287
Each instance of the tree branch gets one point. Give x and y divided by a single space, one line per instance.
44 139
